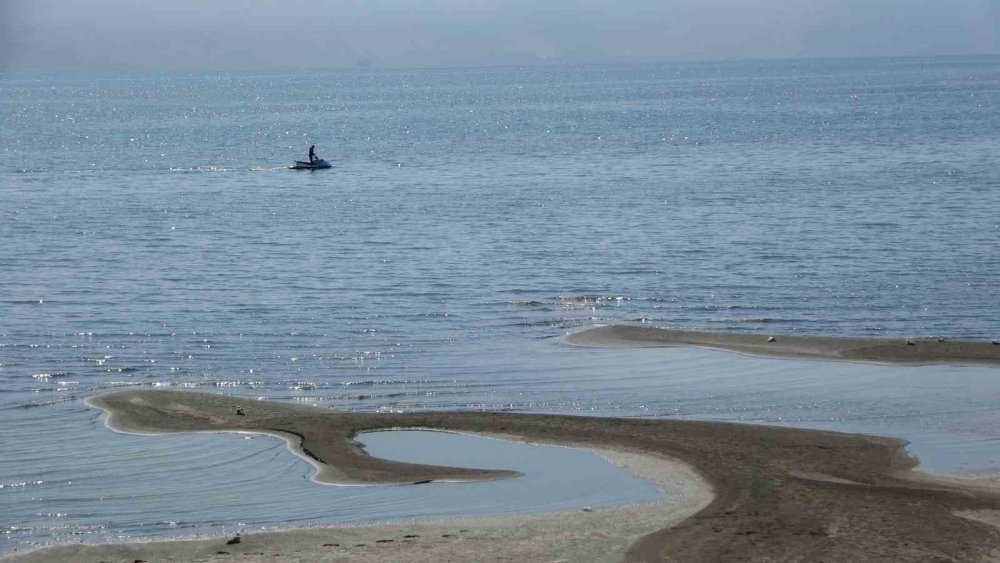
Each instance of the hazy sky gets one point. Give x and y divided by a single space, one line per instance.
240 34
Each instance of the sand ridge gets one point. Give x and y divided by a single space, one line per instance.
781 494
876 350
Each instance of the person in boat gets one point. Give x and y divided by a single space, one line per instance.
312 154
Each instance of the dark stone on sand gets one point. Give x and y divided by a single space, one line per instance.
234 540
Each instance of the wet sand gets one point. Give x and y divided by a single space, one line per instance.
780 494
914 351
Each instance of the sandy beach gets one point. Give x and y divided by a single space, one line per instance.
779 493
914 351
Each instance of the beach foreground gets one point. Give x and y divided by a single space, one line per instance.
780 494
878 350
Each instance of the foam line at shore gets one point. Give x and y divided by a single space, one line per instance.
875 350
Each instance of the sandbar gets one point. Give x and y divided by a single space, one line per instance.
780 494
914 351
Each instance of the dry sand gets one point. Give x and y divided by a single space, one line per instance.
879 350
781 494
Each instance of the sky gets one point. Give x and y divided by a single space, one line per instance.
291 34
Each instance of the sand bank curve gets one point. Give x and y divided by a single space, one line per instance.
780 493
878 350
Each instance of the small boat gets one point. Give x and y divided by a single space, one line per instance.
318 164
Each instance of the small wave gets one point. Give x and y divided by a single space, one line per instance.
374 382
722 307
549 322
20 485
53 375
547 336
531 303
757 320
114 384
45 403
60 386
593 298
221 383
880 225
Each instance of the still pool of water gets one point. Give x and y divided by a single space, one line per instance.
134 487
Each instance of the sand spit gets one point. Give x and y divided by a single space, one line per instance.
160 413
878 350
781 494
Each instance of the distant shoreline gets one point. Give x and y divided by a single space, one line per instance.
876 350
778 492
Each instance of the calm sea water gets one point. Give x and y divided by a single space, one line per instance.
151 235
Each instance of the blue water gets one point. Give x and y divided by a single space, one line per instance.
151 235
210 484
